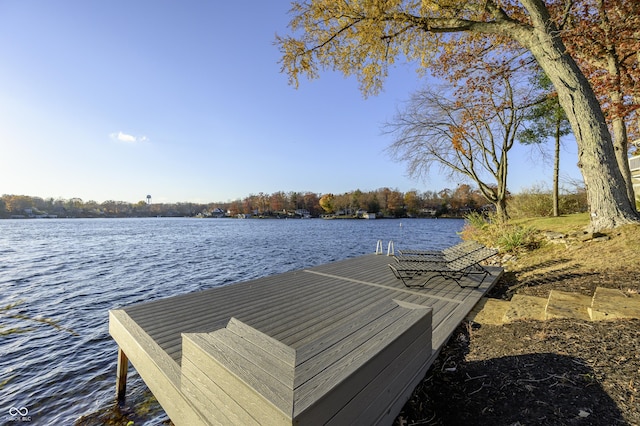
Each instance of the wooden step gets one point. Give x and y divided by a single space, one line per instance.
562 304
611 303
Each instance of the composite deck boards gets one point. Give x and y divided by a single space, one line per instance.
344 342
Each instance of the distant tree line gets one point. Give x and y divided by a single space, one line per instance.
384 202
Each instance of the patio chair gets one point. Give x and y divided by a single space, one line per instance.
455 270
447 255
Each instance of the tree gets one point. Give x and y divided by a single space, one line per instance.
249 204
413 202
603 37
356 200
17 204
373 205
391 201
547 119
327 203
235 208
364 38
395 204
470 137
278 201
463 197
312 203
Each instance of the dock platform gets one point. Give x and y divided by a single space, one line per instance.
341 343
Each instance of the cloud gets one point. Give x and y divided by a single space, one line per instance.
123 137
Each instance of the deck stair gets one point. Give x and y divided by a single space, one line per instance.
606 303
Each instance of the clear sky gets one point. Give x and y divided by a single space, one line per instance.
184 100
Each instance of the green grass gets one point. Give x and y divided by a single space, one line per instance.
567 223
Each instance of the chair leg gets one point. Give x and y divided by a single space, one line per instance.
400 275
482 272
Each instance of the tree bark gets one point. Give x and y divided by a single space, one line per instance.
501 210
556 172
621 148
606 189
618 125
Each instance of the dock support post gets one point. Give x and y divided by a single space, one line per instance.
121 375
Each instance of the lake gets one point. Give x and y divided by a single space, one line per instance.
72 271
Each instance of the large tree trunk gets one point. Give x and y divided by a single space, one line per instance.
606 189
501 210
618 125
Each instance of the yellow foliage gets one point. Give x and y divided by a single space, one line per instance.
360 37
458 137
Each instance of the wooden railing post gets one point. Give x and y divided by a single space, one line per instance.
121 375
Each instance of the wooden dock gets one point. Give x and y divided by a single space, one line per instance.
341 343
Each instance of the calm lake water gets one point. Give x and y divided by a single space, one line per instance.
73 271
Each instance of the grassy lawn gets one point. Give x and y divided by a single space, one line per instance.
568 223
536 256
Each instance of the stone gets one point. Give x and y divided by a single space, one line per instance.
552 235
610 303
562 304
590 236
488 311
525 308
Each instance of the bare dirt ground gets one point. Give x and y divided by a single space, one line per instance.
555 372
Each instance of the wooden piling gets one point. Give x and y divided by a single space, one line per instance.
121 375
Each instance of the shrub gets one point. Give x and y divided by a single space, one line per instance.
538 202
491 231
514 238
475 227
534 201
575 202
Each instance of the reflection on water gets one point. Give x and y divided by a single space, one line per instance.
73 271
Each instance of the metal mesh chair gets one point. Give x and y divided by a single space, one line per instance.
456 269
447 255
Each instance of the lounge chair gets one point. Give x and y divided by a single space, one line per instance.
447 255
455 270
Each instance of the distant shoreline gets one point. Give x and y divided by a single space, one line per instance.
15 217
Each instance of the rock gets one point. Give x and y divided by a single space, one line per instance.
562 304
610 303
585 237
591 236
552 235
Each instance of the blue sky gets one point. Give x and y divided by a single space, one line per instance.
114 100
